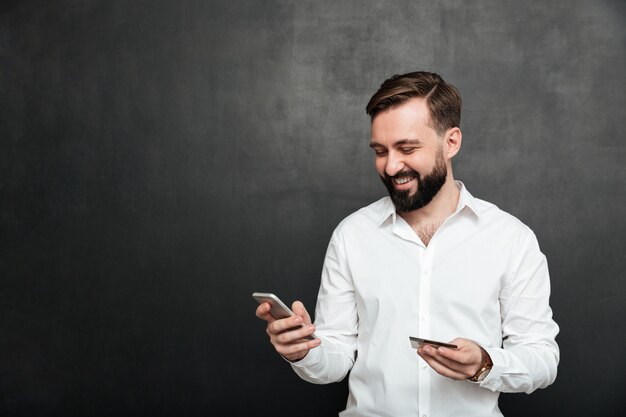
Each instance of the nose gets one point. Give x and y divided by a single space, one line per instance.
394 164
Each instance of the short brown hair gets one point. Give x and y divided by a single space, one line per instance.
443 99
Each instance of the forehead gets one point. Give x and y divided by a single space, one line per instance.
409 119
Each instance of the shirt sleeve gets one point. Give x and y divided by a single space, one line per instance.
529 354
335 320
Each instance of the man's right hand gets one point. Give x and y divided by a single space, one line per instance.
287 335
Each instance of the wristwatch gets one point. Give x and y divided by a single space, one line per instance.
485 367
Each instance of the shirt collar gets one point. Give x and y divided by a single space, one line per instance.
465 200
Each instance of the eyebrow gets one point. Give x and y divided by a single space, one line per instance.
399 142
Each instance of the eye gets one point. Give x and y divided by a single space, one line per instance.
408 150
379 150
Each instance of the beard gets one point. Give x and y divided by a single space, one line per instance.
427 188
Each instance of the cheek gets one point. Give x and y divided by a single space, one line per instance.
421 163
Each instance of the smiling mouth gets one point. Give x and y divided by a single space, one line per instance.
403 180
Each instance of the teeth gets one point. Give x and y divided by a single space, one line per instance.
402 180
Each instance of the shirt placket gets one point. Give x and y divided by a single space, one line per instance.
426 257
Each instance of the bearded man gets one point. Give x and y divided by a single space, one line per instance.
429 261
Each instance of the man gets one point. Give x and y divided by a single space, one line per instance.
429 261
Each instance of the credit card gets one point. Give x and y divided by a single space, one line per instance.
416 342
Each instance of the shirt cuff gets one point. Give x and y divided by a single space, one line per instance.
492 380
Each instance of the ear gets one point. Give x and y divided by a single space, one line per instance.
452 142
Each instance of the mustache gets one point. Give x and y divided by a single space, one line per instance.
402 174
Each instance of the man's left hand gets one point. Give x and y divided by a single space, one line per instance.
461 363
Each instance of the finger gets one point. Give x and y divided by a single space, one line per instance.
462 357
469 354
294 335
279 326
291 349
463 365
298 308
466 345
440 368
433 352
263 312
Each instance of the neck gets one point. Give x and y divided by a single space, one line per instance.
441 206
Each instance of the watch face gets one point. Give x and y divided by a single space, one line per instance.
483 375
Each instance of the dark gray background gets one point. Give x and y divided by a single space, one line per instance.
161 160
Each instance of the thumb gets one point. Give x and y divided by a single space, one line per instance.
298 308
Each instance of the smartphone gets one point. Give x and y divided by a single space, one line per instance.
278 310
417 342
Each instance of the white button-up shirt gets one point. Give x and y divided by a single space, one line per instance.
481 277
